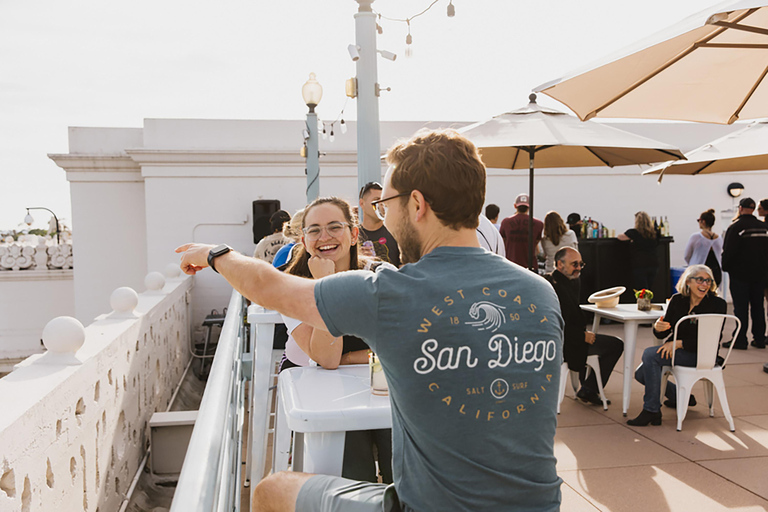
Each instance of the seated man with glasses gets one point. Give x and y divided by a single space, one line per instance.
372 227
578 342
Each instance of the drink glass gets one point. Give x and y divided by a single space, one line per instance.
379 384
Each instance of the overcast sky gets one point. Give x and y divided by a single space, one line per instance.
113 64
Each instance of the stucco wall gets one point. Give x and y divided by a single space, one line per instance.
72 437
29 299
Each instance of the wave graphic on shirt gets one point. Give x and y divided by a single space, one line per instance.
487 316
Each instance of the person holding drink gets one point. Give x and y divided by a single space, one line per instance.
697 294
377 241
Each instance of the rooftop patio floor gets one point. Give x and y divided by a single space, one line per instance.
607 465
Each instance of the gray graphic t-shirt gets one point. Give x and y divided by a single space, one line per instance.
471 346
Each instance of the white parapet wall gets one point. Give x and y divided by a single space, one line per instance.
73 427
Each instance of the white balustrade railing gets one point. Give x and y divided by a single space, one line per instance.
74 421
43 256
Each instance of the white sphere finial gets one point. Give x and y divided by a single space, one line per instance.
154 281
64 335
172 271
124 300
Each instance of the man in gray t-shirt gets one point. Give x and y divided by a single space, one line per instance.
471 346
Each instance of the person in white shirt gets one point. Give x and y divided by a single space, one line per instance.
489 237
556 236
706 247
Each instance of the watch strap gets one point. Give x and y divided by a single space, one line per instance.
214 253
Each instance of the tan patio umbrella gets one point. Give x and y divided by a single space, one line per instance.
711 67
742 150
554 139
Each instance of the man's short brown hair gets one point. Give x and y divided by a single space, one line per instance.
446 168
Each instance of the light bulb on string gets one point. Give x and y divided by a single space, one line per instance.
451 9
325 134
379 29
343 126
408 40
332 137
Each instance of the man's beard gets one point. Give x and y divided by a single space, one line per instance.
408 241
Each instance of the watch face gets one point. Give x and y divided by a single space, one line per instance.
220 249
215 253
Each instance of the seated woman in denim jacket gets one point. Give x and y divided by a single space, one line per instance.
697 295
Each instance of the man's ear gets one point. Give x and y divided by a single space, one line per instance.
420 205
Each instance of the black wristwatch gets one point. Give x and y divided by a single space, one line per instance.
217 251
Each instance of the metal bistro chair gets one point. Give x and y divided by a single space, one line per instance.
593 363
709 328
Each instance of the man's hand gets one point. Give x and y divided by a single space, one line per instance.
366 249
321 267
194 257
589 337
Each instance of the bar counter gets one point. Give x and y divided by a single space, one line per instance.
608 265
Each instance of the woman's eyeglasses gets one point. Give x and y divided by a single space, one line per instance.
381 205
334 230
702 280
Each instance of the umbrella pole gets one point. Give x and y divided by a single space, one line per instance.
532 263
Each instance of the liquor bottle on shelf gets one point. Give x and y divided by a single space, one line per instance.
666 226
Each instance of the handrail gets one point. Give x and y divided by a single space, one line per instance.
206 480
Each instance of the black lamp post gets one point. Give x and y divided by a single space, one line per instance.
29 220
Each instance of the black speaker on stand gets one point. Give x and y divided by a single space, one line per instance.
262 211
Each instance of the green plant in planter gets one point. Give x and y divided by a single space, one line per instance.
644 294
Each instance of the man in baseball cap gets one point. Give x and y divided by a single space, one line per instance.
745 258
514 231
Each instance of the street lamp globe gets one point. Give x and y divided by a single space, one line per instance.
312 92
28 220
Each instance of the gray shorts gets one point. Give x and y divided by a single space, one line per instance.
324 493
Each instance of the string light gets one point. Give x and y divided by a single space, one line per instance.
328 128
451 12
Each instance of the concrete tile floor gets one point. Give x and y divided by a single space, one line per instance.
607 465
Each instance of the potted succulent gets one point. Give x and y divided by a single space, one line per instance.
643 297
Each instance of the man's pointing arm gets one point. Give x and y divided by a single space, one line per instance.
258 281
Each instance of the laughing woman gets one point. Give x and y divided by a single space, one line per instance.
697 295
329 245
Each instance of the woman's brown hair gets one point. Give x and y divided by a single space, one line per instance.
554 227
708 217
644 225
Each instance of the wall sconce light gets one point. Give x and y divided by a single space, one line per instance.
735 189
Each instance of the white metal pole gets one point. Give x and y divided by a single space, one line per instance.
368 138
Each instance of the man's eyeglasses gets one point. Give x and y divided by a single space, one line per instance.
381 204
702 280
334 230
578 264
